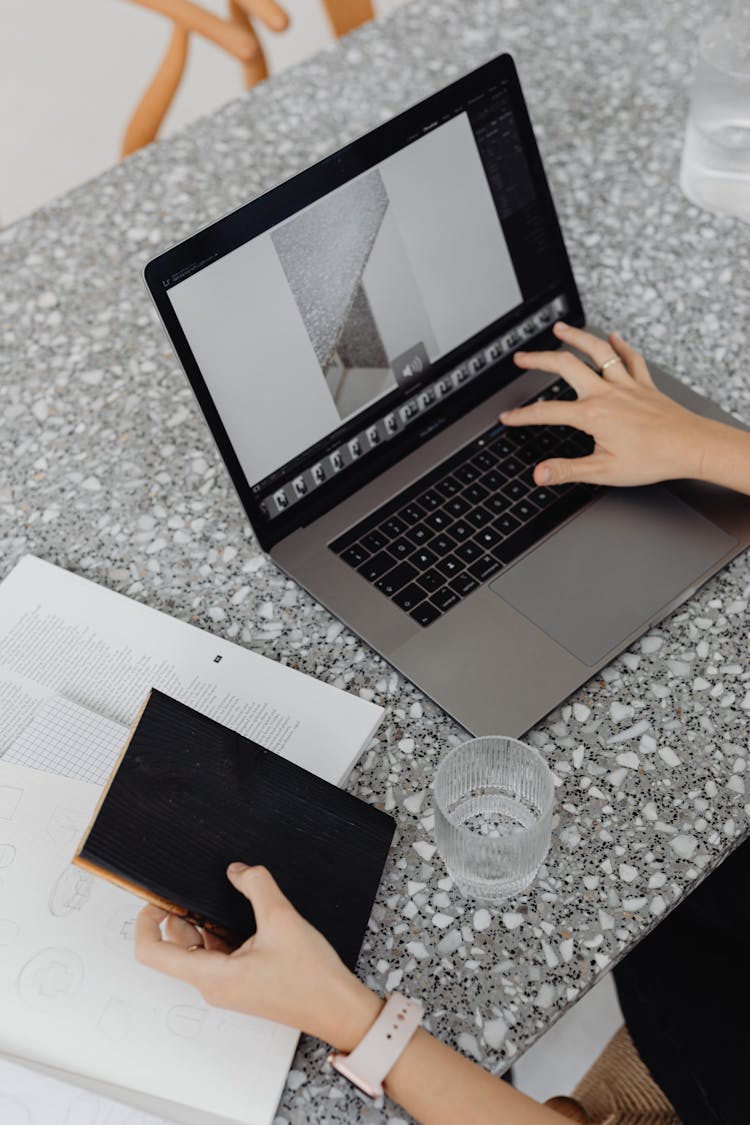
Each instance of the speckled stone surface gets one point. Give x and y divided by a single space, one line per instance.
107 469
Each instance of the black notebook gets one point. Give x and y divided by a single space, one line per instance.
189 796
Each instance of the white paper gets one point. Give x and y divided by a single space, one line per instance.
76 663
71 992
30 1098
61 635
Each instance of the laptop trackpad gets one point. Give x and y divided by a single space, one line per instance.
611 569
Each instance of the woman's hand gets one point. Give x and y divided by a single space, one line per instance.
286 972
641 435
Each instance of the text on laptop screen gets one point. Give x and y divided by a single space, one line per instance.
317 338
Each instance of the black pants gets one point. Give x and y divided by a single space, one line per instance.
685 996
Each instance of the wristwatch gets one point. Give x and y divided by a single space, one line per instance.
377 1053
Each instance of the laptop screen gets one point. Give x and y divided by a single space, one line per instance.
366 311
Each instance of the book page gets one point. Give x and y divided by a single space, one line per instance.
72 994
30 1098
61 635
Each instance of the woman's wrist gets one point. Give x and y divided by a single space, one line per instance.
724 455
347 1012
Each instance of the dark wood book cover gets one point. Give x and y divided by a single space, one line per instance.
189 796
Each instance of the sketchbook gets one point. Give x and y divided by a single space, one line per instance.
76 662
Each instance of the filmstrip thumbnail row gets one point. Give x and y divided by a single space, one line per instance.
387 427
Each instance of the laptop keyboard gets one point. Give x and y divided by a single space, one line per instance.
459 525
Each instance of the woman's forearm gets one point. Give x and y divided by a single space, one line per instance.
725 457
437 1086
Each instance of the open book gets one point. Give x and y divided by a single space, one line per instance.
76 662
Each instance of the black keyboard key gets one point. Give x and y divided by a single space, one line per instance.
464 584
510 466
448 487
542 497
373 542
493 480
488 538
411 513
476 493
423 559
445 598
396 578
442 544
480 517
431 581
504 446
461 530
507 524
545 441
467 474
425 613
419 535
377 565
438 521
450 566
468 551
547 519
430 500
498 503
401 548
457 506
515 489
393 527
524 510
484 568
355 555
409 597
484 460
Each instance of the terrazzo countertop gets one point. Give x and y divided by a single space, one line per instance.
107 469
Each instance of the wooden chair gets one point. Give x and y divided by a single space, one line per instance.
235 34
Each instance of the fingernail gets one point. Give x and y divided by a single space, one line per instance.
504 414
562 324
236 868
545 476
521 353
616 336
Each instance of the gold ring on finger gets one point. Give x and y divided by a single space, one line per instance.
614 359
192 948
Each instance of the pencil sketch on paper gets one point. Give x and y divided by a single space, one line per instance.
121 1019
9 931
7 854
65 826
50 979
71 891
119 932
186 1021
10 798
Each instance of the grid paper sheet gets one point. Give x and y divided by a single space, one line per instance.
72 741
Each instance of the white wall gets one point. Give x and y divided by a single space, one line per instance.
72 72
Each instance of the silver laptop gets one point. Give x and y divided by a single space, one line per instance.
349 337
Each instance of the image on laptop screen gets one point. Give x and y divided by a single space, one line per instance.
317 337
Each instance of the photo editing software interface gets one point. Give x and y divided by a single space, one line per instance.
316 338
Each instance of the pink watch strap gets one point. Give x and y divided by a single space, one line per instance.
376 1054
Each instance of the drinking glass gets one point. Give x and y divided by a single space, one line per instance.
493 801
715 170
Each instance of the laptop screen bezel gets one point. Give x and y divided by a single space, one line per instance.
279 203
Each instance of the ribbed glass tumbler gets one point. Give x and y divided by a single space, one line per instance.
493 801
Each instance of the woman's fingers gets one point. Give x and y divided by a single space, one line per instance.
268 12
597 350
182 933
582 379
545 414
569 470
196 966
634 361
